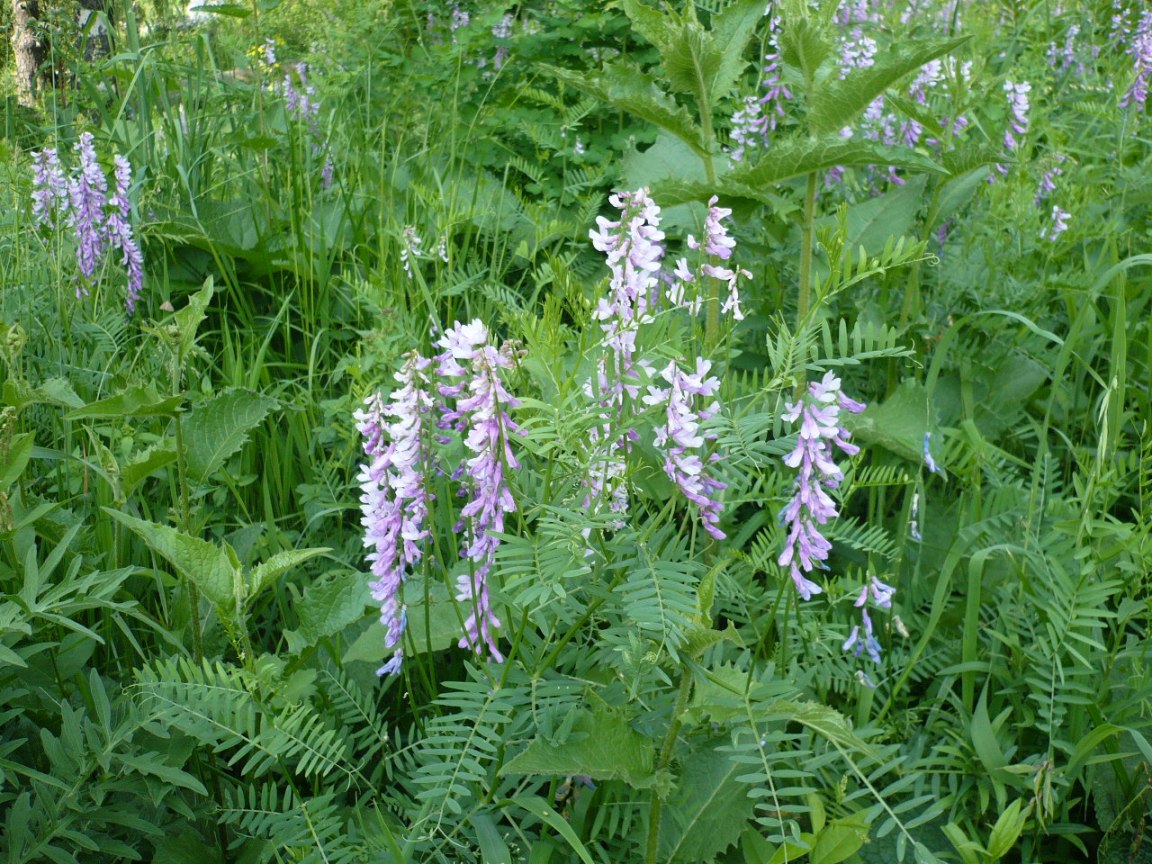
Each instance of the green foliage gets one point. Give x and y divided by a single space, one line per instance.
188 634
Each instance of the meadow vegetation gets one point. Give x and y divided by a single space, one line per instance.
578 432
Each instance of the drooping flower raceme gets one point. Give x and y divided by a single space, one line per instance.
1019 106
818 411
634 249
119 231
98 222
394 499
1141 51
865 640
718 246
684 443
473 365
88 193
49 187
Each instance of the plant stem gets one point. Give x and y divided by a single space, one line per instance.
664 761
804 300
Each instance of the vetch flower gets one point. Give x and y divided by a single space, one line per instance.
1059 224
1141 51
1019 106
686 459
49 188
88 193
119 231
818 411
394 499
473 365
716 244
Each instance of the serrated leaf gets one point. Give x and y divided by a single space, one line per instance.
189 318
626 87
601 745
133 402
218 428
266 573
732 30
54 391
327 607
205 564
804 46
788 159
708 811
835 104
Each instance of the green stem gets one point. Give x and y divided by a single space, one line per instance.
804 300
664 761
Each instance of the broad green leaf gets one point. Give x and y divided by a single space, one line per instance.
14 461
327 607
626 87
659 28
788 159
732 30
189 318
54 391
133 402
872 222
805 47
205 564
602 745
709 809
134 473
218 428
839 840
836 103
432 626
703 63
266 573
898 423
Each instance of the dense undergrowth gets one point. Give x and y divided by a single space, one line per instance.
533 326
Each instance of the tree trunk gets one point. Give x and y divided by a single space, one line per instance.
29 49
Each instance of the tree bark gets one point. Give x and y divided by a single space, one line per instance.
29 49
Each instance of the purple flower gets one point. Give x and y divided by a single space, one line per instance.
1019 106
776 92
1059 224
411 246
394 501
747 125
683 441
119 231
718 244
1048 181
49 187
503 28
811 506
929 462
1141 51
480 413
856 52
88 193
